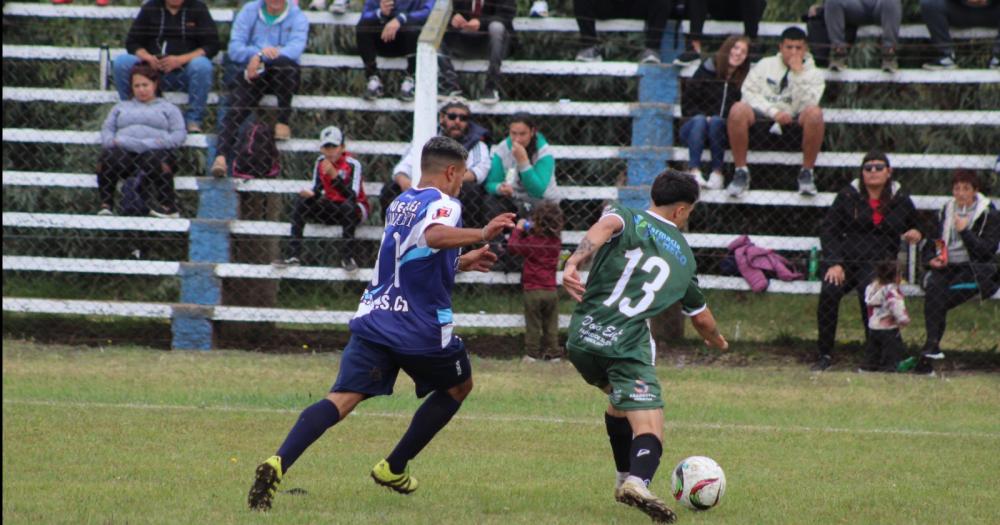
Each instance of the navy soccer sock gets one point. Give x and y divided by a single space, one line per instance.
313 421
620 435
645 454
431 417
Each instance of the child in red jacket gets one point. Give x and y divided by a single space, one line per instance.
538 240
337 197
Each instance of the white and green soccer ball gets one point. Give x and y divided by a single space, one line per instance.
698 483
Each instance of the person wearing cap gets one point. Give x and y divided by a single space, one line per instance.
455 122
862 227
477 27
337 197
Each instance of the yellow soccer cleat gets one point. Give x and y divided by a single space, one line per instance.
265 484
635 494
401 483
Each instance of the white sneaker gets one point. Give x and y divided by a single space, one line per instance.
317 5
715 181
634 493
696 174
407 89
339 7
539 9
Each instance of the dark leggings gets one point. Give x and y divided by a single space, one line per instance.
856 277
280 78
322 210
370 44
117 164
946 288
749 11
653 12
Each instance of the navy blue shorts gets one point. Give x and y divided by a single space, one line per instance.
371 369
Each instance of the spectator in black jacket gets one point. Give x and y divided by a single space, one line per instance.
179 39
749 11
713 89
477 26
940 15
965 264
862 227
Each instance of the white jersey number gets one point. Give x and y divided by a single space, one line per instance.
649 288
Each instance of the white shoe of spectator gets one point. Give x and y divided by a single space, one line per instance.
649 56
590 54
995 62
339 7
696 174
406 89
105 212
945 62
715 181
539 9
490 96
807 183
317 5
373 89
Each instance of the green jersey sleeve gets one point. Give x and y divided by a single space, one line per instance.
693 302
627 236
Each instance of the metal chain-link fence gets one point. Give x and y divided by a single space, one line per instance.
610 126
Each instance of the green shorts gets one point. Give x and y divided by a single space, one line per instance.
633 383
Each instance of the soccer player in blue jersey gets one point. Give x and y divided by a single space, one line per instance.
404 322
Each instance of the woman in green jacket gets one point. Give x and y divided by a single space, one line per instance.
523 169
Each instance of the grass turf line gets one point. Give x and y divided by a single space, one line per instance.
528 446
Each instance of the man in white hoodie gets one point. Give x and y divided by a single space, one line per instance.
784 88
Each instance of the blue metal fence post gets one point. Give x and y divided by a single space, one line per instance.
208 245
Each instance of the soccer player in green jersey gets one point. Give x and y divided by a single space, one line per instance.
642 266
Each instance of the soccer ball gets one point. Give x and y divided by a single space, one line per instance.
698 483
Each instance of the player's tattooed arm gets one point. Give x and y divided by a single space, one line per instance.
597 235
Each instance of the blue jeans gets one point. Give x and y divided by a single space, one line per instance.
696 131
195 78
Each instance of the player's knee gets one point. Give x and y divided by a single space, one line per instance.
462 391
345 401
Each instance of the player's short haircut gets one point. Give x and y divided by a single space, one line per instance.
671 187
793 33
441 152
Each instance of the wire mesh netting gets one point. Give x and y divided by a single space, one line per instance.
99 206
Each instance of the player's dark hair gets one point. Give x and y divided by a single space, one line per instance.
793 33
439 153
886 271
547 219
528 120
967 176
671 187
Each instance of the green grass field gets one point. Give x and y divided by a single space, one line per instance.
131 435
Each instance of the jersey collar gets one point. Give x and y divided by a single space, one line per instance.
660 218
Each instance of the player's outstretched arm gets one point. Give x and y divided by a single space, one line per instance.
704 323
597 235
442 237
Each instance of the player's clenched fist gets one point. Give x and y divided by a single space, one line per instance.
478 260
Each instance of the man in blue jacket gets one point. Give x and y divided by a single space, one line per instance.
268 38
390 28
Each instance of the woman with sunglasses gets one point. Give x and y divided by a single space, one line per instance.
863 226
963 263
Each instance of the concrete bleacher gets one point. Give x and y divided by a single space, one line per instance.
569 108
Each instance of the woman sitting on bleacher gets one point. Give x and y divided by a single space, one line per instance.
713 89
963 261
863 226
138 138
523 170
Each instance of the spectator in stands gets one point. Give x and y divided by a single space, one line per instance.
940 15
785 88
523 170
337 197
708 96
653 12
268 38
141 134
862 227
178 38
99 3
886 13
391 29
477 27
749 11
455 122
964 265
539 241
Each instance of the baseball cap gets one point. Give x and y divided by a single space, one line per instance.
331 135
